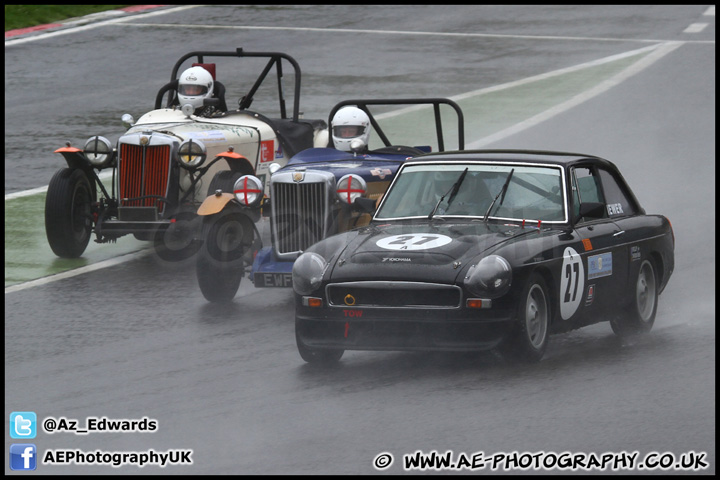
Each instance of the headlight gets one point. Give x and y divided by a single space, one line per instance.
490 277
98 151
248 190
192 154
307 273
351 187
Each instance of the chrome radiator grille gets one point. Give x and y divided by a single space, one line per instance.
142 171
299 215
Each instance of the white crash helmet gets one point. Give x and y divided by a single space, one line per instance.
195 85
342 127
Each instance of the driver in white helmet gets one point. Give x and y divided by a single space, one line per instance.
194 86
348 124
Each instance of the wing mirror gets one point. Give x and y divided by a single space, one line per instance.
592 210
127 120
357 145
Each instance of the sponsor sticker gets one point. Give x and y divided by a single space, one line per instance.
635 253
590 295
208 136
381 172
600 265
267 151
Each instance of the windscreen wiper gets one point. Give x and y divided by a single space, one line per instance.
453 191
500 195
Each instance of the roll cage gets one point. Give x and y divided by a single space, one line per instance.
435 102
275 61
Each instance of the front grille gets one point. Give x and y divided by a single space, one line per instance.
299 215
143 171
394 295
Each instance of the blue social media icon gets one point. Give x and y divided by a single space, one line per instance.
23 456
23 424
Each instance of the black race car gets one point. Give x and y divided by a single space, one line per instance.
486 249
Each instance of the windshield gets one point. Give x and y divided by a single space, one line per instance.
533 192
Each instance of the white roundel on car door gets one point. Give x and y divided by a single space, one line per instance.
572 283
413 241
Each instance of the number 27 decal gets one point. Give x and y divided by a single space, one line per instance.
414 241
570 270
572 283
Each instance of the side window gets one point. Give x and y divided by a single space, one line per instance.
586 188
618 203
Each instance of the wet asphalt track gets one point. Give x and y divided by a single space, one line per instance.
138 339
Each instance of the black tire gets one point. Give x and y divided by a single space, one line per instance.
529 336
640 315
317 356
220 265
68 212
181 240
144 236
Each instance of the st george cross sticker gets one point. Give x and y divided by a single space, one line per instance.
248 190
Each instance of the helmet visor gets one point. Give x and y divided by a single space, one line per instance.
348 131
191 90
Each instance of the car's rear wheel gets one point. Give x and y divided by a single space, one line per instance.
68 212
528 338
640 316
318 356
220 266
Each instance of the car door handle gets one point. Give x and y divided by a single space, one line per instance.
617 234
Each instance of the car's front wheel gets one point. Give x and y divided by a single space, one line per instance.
180 240
220 265
640 316
528 338
318 356
68 212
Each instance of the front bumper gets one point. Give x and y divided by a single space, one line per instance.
119 227
144 220
268 271
458 329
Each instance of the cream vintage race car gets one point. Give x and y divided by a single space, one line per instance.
174 156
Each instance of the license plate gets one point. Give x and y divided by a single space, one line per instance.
273 280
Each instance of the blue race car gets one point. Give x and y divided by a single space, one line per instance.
320 192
